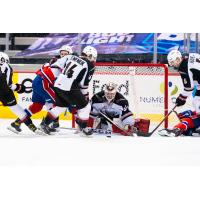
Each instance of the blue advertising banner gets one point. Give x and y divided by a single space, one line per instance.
108 43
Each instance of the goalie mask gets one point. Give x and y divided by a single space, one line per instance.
174 58
110 91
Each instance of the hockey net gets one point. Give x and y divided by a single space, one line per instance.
144 85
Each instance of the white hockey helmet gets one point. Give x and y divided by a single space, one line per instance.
174 58
110 91
4 58
65 50
91 53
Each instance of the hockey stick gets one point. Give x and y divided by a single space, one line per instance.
115 124
177 115
150 133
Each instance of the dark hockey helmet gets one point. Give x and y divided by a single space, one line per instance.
110 91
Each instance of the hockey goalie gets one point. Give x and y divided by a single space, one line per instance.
114 106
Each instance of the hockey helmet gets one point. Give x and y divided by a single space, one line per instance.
91 53
174 58
65 50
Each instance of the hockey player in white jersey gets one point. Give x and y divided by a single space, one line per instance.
116 107
71 87
7 95
189 70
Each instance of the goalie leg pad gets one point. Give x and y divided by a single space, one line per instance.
142 125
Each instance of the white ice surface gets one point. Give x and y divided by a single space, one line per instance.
67 148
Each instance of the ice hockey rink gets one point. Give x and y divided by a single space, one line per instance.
68 148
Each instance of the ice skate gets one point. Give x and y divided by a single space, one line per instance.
50 128
45 129
14 127
34 129
170 132
196 133
55 126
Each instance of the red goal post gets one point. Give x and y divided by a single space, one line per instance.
145 85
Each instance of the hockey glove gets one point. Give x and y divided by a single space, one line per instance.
180 101
20 88
185 114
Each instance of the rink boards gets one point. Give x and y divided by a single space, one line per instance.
144 93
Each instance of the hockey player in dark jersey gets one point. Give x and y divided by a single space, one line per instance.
7 95
43 91
71 87
189 70
115 106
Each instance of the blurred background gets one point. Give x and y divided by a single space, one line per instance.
28 51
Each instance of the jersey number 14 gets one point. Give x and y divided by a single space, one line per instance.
69 69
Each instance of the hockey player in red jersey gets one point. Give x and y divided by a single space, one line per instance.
189 125
71 87
43 92
115 106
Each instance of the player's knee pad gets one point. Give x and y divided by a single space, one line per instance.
35 107
84 112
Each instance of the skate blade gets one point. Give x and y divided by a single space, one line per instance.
166 134
41 132
84 135
195 134
10 128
